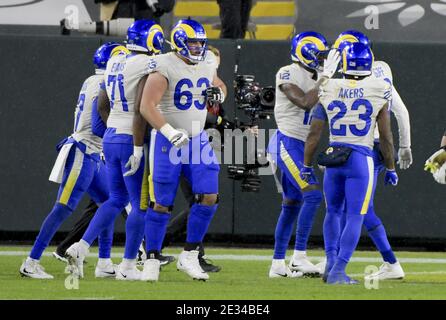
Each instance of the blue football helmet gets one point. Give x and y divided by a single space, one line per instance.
308 48
357 59
350 36
145 36
105 52
183 34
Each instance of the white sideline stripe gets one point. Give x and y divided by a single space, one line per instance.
406 273
249 257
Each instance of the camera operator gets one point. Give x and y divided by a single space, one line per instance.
257 103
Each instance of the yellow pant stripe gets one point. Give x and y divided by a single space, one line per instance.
72 177
368 195
143 201
291 166
151 158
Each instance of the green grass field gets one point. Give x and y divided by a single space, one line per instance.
244 276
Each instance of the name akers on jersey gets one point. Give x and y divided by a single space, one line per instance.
351 93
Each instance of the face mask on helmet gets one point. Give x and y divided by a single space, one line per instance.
188 39
310 49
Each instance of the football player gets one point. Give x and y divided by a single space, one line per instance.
297 88
78 169
391 268
174 103
124 78
352 106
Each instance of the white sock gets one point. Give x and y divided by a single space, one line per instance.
29 259
84 245
104 262
298 253
128 263
278 261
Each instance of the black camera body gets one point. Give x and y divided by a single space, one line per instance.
256 101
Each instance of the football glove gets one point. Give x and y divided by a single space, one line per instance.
404 158
176 137
134 160
435 161
331 63
440 174
215 94
307 174
391 177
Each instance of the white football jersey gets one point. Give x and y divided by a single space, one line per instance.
121 77
82 131
292 120
183 105
381 70
352 107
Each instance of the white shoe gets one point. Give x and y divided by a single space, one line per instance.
125 273
321 266
60 258
32 269
105 269
300 262
188 262
280 270
75 255
151 270
387 271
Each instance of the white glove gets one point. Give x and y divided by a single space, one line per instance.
435 161
176 137
331 63
134 160
404 158
440 174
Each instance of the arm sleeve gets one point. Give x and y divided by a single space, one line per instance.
319 113
402 117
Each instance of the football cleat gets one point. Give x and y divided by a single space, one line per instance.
151 270
165 260
59 257
126 273
301 263
188 263
105 270
321 266
280 270
75 255
340 278
207 265
387 271
33 269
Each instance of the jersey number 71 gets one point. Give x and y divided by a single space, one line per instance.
112 80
